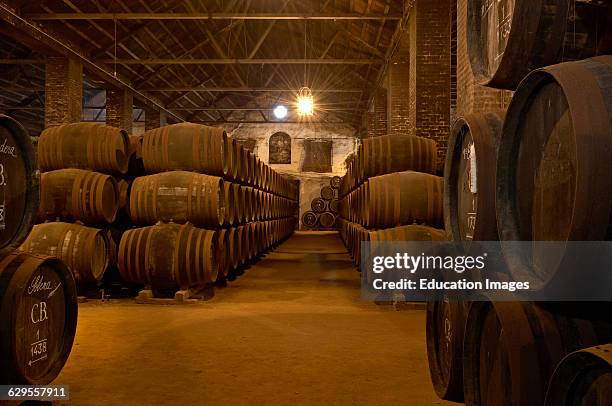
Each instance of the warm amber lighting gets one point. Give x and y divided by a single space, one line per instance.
305 102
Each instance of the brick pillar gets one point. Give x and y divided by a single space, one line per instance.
154 118
119 106
431 50
63 91
398 83
472 97
377 115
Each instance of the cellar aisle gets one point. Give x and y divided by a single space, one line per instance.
291 330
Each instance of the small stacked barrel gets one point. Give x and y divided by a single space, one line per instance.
390 191
38 304
207 208
533 173
83 195
325 208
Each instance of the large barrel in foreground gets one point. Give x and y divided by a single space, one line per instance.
179 197
19 184
507 39
187 147
97 147
84 249
38 318
76 194
511 350
582 378
554 162
469 177
169 256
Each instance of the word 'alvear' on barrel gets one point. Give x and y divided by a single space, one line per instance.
553 165
169 256
38 304
84 249
76 194
19 184
180 197
92 146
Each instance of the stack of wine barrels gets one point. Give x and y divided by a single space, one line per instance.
83 188
325 209
533 173
33 348
207 208
390 192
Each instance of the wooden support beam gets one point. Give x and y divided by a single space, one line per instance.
210 16
229 61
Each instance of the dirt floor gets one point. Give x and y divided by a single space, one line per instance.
291 331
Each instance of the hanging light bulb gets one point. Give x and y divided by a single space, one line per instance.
305 102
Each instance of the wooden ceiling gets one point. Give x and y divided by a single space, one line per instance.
209 61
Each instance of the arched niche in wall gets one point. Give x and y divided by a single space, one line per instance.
279 148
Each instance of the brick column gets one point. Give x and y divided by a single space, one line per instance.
154 118
119 107
377 114
398 83
431 50
63 91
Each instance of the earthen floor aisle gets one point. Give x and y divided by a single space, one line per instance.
291 331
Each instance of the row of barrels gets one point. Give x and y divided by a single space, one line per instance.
206 201
395 199
387 154
171 257
33 349
184 147
324 209
519 353
354 234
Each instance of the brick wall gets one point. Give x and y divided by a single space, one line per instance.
154 119
432 28
63 91
472 97
398 79
377 115
119 109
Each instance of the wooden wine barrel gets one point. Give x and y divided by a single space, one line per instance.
19 184
83 249
123 189
310 219
582 378
232 160
38 318
318 205
92 146
403 198
135 163
333 206
387 154
327 219
445 327
169 256
553 154
77 194
511 350
409 233
223 260
507 39
233 248
335 181
243 244
228 202
243 170
249 204
327 193
186 147
469 177
239 203
179 197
